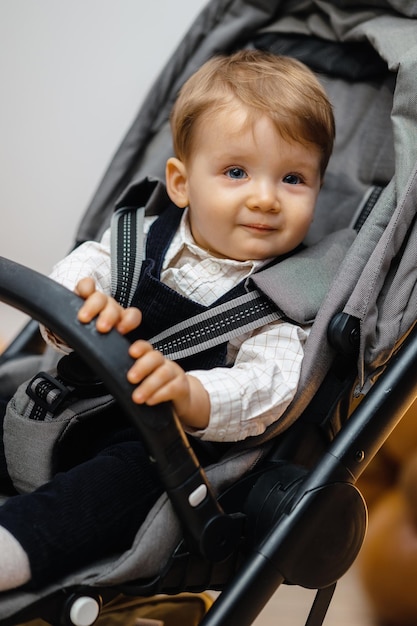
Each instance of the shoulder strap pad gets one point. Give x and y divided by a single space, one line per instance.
299 284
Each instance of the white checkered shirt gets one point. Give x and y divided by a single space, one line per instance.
256 390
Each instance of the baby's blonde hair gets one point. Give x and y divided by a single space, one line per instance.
280 87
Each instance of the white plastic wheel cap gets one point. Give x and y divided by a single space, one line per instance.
84 611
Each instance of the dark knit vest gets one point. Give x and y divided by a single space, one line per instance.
161 306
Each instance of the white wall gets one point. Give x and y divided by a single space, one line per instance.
72 76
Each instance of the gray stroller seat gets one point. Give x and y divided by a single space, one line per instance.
313 519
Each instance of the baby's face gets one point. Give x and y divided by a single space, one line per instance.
251 193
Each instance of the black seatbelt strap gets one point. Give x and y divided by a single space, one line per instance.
126 246
216 325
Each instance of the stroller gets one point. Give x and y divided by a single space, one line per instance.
283 507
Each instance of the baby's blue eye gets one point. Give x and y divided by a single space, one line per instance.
236 172
292 179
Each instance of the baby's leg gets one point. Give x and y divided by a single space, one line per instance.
14 562
88 512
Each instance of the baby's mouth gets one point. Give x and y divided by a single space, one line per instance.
260 227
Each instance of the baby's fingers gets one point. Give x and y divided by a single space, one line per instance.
155 374
93 305
85 287
130 319
147 361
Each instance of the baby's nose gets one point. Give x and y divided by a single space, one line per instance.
264 197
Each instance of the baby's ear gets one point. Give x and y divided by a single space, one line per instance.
176 182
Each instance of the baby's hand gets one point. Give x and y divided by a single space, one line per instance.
110 313
160 380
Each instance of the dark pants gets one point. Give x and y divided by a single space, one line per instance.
89 511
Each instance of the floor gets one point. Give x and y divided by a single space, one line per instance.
290 606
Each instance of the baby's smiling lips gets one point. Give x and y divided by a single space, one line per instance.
260 227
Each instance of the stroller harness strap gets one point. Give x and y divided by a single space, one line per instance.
126 252
217 325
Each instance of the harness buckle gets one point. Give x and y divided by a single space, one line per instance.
47 392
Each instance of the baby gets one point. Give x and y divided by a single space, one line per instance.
252 133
